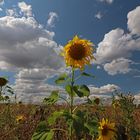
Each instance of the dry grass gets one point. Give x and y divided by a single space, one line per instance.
11 130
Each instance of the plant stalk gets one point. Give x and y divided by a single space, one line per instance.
71 103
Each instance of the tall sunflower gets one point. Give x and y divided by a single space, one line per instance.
78 52
106 130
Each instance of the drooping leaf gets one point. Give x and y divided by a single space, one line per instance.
69 90
10 91
87 74
85 90
77 91
61 79
45 135
53 98
37 135
82 91
52 119
50 135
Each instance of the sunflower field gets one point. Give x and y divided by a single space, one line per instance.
51 120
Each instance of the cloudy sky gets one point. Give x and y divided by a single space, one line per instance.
32 34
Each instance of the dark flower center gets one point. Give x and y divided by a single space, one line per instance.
105 130
3 81
77 51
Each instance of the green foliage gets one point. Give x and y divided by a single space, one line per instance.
92 126
42 132
87 75
81 124
69 89
127 106
61 79
5 90
81 90
55 115
52 99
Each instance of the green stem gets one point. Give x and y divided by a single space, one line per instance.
0 90
65 101
71 103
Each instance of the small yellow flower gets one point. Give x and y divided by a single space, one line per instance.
78 52
116 104
106 130
20 118
3 81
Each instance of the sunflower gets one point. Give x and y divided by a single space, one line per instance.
78 52
106 130
20 118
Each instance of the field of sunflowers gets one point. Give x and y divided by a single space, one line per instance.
51 121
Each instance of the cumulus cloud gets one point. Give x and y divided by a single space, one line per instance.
25 9
12 12
120 65
51 20
118 44
134 21
24 43
98 15
30 85
107 1
28 49
137 98
109 88
1 2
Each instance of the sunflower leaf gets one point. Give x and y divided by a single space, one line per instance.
53 98
87 74
61 79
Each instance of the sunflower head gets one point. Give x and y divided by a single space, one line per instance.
20 118
106 130
97 101
78 52
3 81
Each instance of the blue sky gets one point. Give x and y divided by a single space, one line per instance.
32 33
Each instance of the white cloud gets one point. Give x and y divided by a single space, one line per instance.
30 85
118 44
51 20
29 49
1 9
98 67
134 21
115 44
137 98
109 88
25 9
107 1
120 65
98 15
1 2
12 12
25 44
